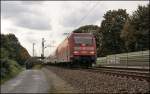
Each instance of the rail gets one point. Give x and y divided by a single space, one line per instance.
139 74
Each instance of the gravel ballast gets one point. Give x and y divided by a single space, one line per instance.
90 82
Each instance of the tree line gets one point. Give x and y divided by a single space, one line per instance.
120 32
13 56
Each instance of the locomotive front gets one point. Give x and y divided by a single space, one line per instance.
84 49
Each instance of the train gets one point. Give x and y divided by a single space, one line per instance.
77 50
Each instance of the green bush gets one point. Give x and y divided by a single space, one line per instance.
9 68
4 67
14 67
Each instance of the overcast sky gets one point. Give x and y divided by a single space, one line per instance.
31 21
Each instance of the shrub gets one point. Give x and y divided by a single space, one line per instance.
9 68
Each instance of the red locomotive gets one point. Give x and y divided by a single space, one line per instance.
77 49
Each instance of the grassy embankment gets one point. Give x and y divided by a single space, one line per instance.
38 66
9 69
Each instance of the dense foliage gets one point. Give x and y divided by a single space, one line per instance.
9 68
111 28
120 32
12 49
136 30
12 55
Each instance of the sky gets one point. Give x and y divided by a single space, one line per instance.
31 21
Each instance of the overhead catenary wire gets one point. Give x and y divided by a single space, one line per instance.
84 17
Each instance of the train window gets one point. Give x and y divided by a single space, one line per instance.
83 40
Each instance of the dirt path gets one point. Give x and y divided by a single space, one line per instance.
36 81
29 81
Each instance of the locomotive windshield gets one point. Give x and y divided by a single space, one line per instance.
83 40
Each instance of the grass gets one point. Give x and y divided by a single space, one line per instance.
9 69
10 76
37 66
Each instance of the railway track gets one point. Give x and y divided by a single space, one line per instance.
140 74
94 81
125 72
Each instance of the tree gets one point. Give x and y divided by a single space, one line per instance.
22 55
11 56
4 53
127 35
111 28
140 21
136 30
12 49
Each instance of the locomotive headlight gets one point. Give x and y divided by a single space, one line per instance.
75 52
92 52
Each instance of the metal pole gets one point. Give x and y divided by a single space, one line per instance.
43 46
33 48
127 58
52 44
